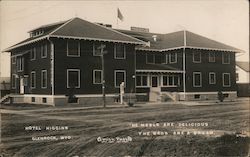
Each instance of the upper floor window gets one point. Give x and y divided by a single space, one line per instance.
33 79
196 57
73 78
141 80
120 51
237 77
150 58
173 58
165 58
20 63
226 80
44 50
211 57
97 77
226 58
13 60
33 53
73 48
44 79
120 76
212 78
97 49
197 80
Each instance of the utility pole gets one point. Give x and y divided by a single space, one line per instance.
102 47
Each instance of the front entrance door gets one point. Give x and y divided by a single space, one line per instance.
154 81
21 85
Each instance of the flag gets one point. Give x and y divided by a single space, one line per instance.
119 14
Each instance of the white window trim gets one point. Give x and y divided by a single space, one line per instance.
223 79
79 50
211 58
94 44
15 81
33 50
178 81
94 80
175 57
141 80
194 79
223 61
33 72
45 47
194 61
124 71
21 66
13 58
124 51
45 79
79 77
210 81
147 59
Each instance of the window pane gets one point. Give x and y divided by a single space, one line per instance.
197 79
138 80
119 78
165 80
33 79
44 79
172 57
96 49
98 77
196 56
13 81
226 79
144 81
226 58
33 54
73 48
211 56
171 80
176 81
120 51
212 78
44 50
73 77
150 58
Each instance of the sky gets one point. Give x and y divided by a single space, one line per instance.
226 21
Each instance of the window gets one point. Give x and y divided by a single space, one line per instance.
33 79
172 57
13 81
150 58
141 81
33 99
44 100
44 50
226 80
20 61
44 79
165 58
96 49
197 82
120 76
197 96
171 80
13 60
237 76
196 57
73 78
73 48
226 58
120 51
33 54
212 78
97 77
211 57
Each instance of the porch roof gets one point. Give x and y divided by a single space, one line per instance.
162 68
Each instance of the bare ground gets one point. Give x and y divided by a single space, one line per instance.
87 124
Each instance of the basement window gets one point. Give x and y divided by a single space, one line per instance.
197 96
33 99
44 100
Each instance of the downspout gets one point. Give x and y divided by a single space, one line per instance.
52 69
184 65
